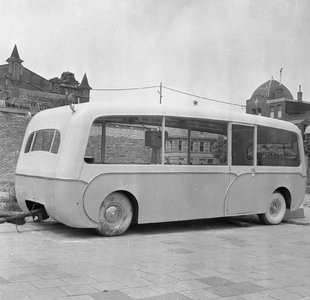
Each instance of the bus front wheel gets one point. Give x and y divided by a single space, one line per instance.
275 212
115 215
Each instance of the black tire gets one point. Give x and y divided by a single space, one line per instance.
115 215
275 212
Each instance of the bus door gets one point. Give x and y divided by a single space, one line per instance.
241 194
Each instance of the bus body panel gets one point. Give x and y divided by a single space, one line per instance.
246 194
61 198
292 181
34 188
153 204
188 196
182 195
201 196
68 205
241 195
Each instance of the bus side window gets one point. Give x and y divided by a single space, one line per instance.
277 147
121 140
242 138
196 142
93 149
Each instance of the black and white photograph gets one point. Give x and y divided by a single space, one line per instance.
154 149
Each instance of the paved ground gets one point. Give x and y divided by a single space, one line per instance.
208 260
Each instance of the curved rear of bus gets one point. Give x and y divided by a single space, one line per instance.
47 170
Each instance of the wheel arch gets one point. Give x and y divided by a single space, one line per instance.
134 204
286 195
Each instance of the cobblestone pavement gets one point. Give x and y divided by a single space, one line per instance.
205 260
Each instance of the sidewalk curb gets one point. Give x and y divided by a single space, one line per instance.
296 222
299 217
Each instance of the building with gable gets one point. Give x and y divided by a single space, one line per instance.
24 89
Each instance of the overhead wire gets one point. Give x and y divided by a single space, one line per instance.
201 97
127 89
167 88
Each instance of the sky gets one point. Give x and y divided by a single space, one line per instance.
216 49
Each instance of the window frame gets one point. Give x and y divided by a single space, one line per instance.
201 147
279 111
271 112
180 146
32 141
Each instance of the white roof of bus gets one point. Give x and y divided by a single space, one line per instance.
86 112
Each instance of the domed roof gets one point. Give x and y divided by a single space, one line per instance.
269 88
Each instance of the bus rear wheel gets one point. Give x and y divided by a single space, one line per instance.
115 215
275 212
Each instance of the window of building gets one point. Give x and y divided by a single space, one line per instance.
201 146
259 111
192 146
279 108
271 114
180 146
15 74
168 146
207 147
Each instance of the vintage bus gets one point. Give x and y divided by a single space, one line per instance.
108 165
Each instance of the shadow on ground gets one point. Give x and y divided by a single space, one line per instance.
144 229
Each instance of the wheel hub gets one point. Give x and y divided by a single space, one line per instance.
274 208
112 214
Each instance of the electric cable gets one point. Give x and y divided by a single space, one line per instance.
126 89
201 97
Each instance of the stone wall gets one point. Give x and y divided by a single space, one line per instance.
12 129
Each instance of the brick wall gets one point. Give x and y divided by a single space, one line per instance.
124 144
12 129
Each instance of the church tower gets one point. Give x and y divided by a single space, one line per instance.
15 66
85 88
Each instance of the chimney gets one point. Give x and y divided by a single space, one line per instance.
299 95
